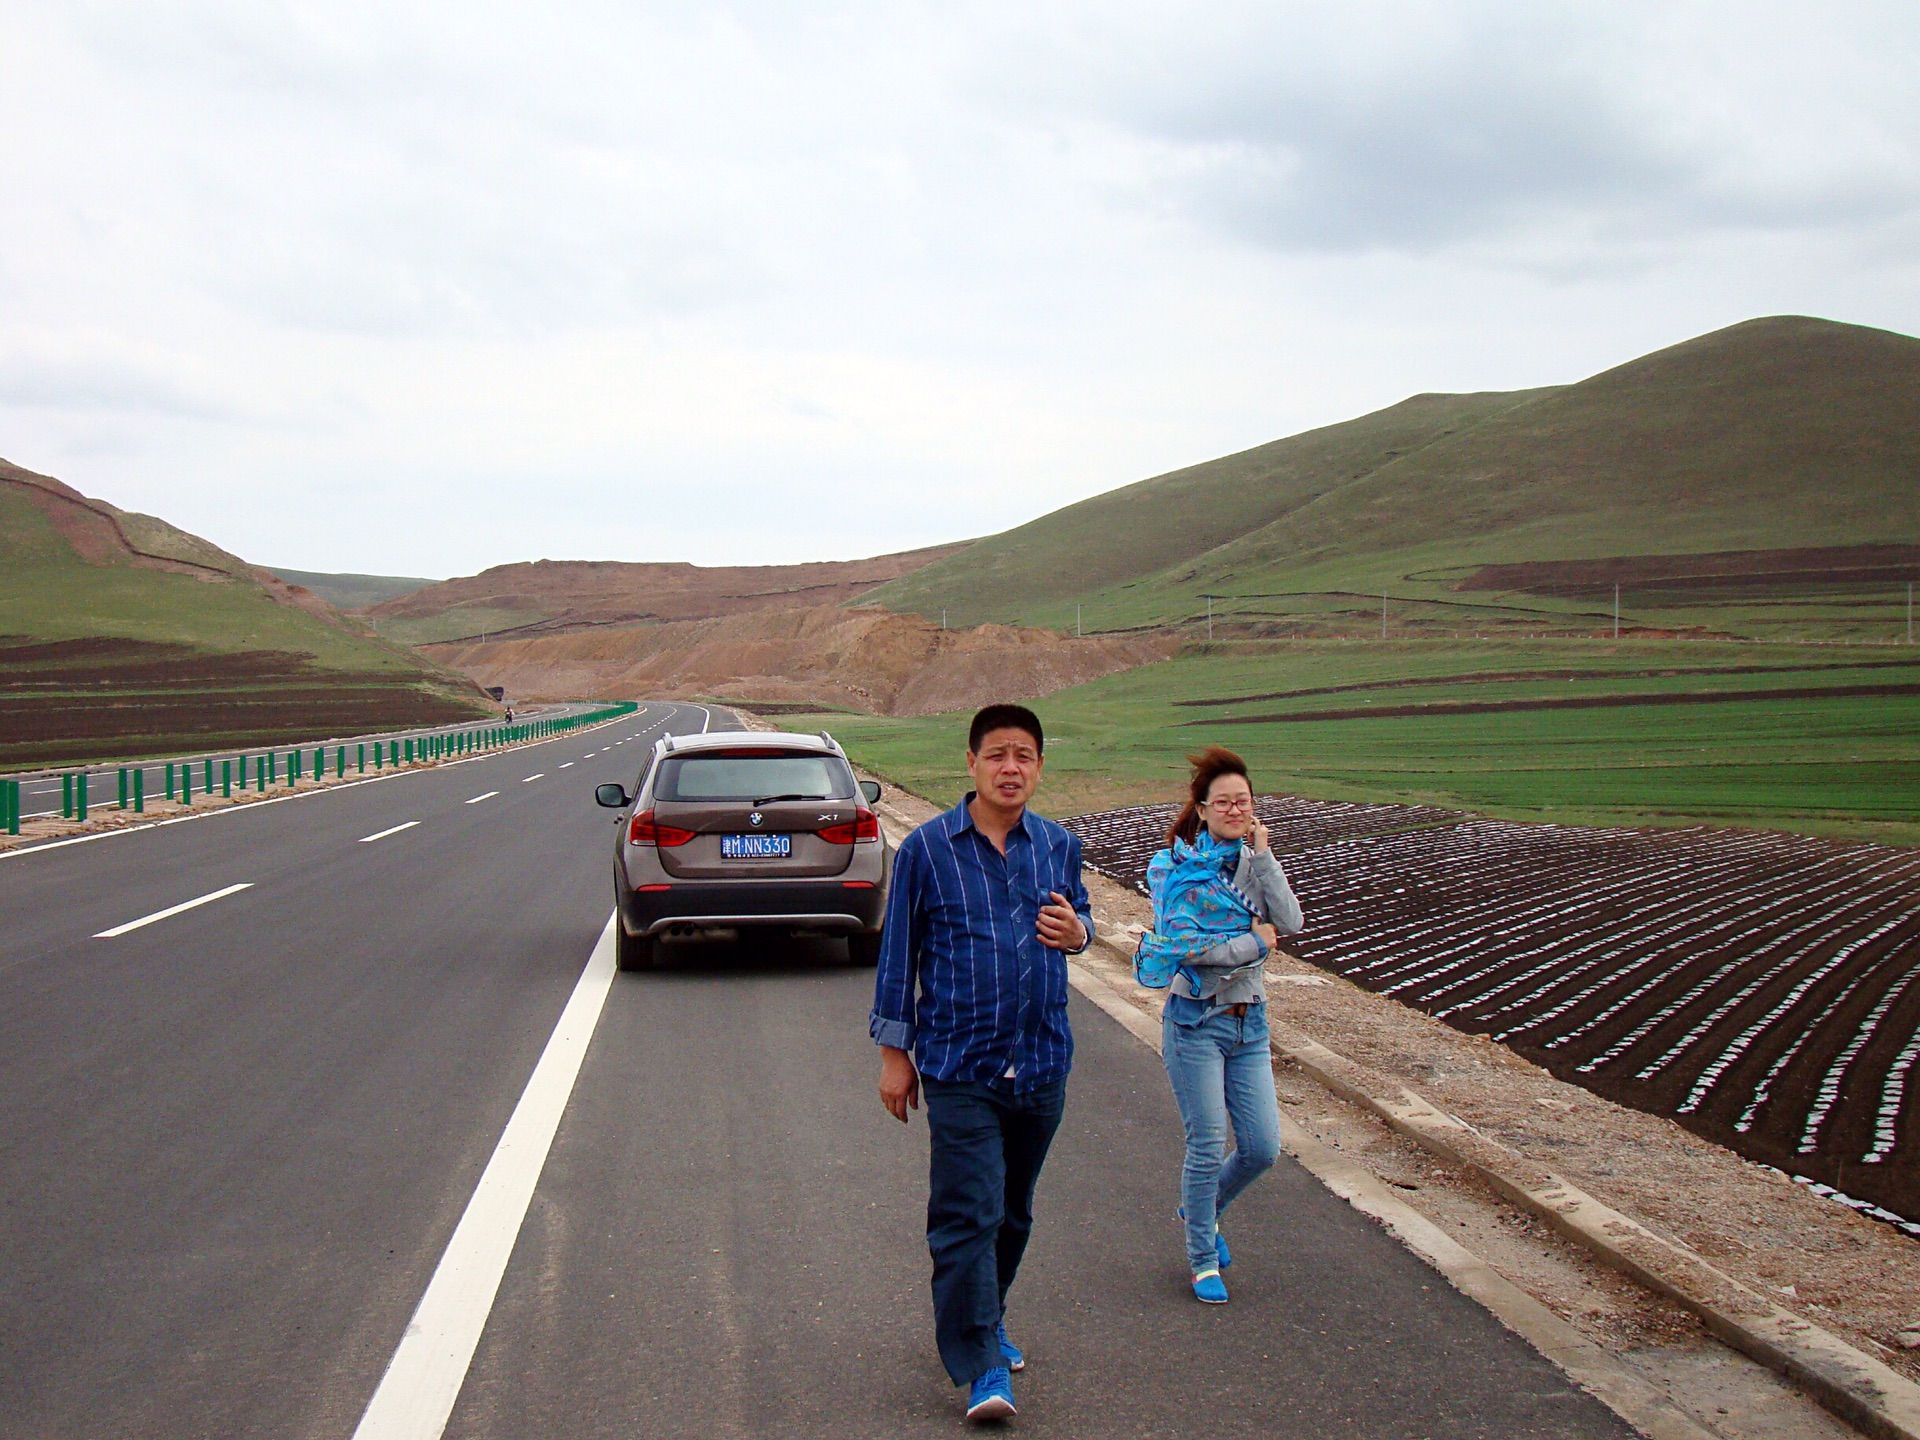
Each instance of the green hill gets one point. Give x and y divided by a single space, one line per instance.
1764 479
353 592
122 635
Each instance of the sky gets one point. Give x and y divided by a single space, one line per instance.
415 289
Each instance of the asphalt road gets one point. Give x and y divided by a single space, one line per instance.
236 1142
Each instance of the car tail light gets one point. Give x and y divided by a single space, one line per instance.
865 825
645 830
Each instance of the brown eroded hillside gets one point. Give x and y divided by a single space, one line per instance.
869 660
548 596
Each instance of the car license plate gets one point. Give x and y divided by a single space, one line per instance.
756 847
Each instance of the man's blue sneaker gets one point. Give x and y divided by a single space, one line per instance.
991 1397
1219 1241
1208 1286
1014 1356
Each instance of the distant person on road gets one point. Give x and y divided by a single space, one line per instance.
1220 903
970 1004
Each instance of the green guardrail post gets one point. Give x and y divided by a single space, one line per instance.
376 755
10 806
139 791
206 776
66 797
173 785
273 769
123 787
294 767
80 796
260 773
340 763
319 762
186 785
226 778
363 757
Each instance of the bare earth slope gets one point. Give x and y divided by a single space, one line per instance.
545 596
869 660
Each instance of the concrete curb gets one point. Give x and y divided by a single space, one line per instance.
1867 1394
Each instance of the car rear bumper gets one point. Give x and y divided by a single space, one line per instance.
827 906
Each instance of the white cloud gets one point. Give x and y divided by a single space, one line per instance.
554 281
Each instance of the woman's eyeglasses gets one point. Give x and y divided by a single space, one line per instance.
1226 806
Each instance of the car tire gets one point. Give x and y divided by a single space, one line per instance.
863 947
633 952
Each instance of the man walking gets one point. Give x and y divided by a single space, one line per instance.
986 901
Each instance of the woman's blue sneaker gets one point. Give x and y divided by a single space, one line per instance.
1208 1286
1014 1356
1219 1241
991 1397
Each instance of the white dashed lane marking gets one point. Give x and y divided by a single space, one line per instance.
172 910
395 830
478 798
531 778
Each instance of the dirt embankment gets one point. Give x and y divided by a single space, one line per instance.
867 660
580 594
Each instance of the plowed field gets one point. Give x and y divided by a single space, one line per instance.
1763 989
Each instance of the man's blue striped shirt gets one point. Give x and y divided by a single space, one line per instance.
964 981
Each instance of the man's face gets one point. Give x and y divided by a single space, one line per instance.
1005 769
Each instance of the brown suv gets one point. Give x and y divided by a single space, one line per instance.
747 828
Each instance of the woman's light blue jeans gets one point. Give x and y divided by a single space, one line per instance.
1222 1071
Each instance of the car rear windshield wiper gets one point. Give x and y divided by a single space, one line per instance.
770 799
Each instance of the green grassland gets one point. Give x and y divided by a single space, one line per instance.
113 660
1779 433
1833 764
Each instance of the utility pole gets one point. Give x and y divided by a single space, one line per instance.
943 617
1383 614
1210 613
1909 612
1076 620
1616 609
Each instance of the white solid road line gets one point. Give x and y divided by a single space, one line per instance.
423 1379
173 910
369 839
478 798
531 778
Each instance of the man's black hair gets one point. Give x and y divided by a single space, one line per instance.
1005 717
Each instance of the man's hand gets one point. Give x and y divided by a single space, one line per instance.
1257 838
1059 926
1267 933
899 1083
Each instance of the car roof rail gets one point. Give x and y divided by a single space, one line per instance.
666 744
835 744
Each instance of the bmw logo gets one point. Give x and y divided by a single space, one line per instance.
755 818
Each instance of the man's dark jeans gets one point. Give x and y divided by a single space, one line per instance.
989 1142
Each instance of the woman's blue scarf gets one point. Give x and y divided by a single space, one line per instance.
1196 906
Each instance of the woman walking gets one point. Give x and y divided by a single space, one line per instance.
1220 903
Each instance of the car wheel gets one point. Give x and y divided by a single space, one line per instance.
633 952
863 947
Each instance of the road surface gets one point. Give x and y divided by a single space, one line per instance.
241 1136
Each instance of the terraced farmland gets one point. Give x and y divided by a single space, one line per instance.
1761 988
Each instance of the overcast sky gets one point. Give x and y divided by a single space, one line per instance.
416 288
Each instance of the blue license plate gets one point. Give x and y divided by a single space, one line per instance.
756 847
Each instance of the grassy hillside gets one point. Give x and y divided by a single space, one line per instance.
353 592
1786 434
1823 739
109 620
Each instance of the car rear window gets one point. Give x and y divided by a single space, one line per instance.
753 777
